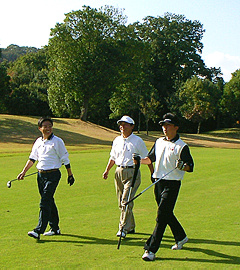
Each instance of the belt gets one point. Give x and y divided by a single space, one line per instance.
126 167
48 171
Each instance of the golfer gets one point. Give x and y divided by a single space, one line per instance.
50 152
121 154
168 153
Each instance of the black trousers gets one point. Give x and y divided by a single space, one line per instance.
166 193
47 184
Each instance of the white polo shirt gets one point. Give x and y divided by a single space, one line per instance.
50 153
123 148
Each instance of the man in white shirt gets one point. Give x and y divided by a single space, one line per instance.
50 152
172 159
123 148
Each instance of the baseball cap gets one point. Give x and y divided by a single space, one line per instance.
126 119
169 118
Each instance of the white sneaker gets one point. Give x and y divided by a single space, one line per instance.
34 235
123 234
180 244
51 232
148 256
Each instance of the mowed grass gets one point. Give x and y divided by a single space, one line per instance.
207 207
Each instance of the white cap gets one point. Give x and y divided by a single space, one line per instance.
126 119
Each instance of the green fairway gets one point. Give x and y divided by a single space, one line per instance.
208 208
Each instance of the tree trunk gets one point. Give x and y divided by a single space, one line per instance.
147 126
199 126
84 110
139 122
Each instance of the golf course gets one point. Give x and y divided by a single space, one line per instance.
207 207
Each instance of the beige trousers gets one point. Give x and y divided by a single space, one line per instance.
123 181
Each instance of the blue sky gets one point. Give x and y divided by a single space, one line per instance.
28 23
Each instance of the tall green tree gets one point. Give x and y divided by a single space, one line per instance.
231 96
85 59
176 46
4 86
199 100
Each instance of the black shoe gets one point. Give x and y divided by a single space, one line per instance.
132 231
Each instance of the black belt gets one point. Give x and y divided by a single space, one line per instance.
126 167
48 171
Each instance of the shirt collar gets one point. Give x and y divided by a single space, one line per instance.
127 137
172 140
49 137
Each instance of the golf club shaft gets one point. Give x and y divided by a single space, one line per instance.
24 176
135 197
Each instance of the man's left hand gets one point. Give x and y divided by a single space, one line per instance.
70 180
180 165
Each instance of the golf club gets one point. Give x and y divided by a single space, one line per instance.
9 183
135 197
137 158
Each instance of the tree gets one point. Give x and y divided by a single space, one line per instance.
230 101
199 100
85 59
175 44
29 83
4 86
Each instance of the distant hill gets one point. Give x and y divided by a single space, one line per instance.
12 52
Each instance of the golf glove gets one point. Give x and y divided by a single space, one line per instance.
180 164
70 180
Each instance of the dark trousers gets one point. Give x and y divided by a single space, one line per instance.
166 193
47 184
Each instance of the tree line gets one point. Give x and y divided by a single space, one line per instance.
96 67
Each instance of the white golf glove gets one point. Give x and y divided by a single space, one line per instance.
180 164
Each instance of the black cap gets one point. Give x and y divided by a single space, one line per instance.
42 119
169 118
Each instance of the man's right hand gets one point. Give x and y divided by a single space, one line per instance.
21 176
105 175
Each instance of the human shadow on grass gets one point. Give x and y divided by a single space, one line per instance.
220 257
139 239
82 239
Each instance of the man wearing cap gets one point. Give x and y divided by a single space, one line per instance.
50 152
170 154
123 147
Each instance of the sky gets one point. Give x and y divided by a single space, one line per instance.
28 23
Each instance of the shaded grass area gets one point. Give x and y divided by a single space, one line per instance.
208 208
17 134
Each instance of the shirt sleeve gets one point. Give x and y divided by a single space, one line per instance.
142 149
113 152
62 152
186 157
34 153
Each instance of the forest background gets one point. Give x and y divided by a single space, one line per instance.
97 68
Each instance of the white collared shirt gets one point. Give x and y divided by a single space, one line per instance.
123 148
50 153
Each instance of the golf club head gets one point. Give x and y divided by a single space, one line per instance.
9 184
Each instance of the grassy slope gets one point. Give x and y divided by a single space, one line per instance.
208 207
18 132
